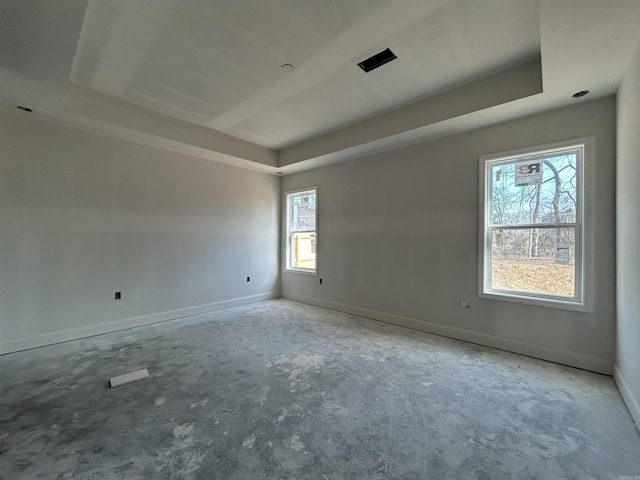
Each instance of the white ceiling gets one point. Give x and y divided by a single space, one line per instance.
203 77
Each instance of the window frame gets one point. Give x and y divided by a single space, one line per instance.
582 300
288 195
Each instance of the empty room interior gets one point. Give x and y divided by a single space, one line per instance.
302 239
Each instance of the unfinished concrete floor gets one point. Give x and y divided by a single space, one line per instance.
282 390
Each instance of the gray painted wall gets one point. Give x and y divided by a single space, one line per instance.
83 215
398 240
628 237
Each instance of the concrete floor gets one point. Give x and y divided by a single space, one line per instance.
282 390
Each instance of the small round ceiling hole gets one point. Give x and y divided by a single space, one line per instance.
581 93
287 67
23 108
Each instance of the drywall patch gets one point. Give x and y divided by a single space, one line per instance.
201 403
249 441
183 431
296 443
298 369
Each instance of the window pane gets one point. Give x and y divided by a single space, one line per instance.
535 260
303 250
534 190
303 212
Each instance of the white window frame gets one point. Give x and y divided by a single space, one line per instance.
289 232
582 301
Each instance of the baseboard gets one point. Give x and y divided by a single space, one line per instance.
108 327
629 399
578 360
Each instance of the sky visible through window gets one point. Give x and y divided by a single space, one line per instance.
552 201
537 260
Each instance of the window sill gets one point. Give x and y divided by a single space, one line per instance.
302 271
537 302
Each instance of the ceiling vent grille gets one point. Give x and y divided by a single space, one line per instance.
377 60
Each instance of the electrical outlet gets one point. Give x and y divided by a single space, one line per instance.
465 303
118 295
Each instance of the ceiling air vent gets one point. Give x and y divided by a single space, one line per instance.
377 60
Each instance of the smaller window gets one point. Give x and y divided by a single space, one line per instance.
301 231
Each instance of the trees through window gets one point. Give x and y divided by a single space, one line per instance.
532 239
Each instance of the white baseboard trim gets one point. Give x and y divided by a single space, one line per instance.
108 327
629 399
578 360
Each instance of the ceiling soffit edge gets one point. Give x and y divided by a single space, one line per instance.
514 84
408 123
88 103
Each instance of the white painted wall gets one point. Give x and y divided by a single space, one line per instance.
628 237
398 240
84 215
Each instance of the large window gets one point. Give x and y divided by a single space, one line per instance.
534 229
301 230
